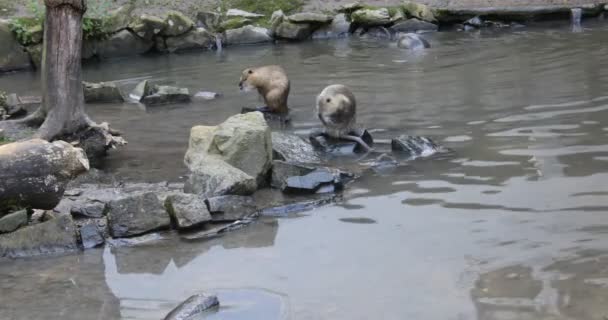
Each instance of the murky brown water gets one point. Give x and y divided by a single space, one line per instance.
513 227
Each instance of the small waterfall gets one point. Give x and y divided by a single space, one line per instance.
576 15
218 43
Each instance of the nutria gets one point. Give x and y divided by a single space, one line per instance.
337 110
272 84
411 41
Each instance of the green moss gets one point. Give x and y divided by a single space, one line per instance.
265 7
27 30
234 23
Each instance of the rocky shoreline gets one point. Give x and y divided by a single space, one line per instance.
123 33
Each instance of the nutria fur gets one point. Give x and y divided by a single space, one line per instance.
272 84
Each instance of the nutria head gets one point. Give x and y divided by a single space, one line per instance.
246 84
336 106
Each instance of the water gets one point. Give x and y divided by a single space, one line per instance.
513 227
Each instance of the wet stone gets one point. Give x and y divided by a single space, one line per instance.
101 92
282 170
136 215
13 221
414 146
312 182
91 236
326 144
166 95
193 307
89 210
296 207
187 210
293 148
207 95
269 116
231 208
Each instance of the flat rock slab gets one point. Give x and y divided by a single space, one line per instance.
312 182
57 235
13 221
187 210
89 210
231 208
165 95
282 170
292 148
90 236
136 215
326 144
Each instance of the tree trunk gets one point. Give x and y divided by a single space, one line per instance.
35 173
62 97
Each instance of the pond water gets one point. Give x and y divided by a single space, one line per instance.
514 226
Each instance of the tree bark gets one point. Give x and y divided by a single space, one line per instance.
35 173
62 97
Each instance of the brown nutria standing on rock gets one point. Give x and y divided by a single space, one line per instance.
337 110
272 84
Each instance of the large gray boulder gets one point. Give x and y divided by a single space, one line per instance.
241 147
57 235
176 24
371 17
231 208
208 19
413 25
122 44
147 26
187 210
101 92
12 55
215 177
310 17
338 28
198 38
136 215
248 35
293 31
118 19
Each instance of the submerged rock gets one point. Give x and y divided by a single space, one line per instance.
166 94
326 144
57 235
413 25
198 38
142 90
371 17
293 148
136 215
13 221
243 142
414 146
193 307
231 208
90 236
176 24
297 207
248 35
12 55
187 210
339 28
101 92
412 41
282 170
378 33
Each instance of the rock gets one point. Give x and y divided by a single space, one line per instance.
378 33
208 20
474 22
90 236
297 207
136 215
143 89
235 23
312 182
276 18
411 41
193 307
242 14
166 94
413 25
350 7
309 17
338 28
413 146
35 53
282 170
12 55
124 43
293 31
101 92
248 35
147 26
371 17
231 208
397 15
118 19
57 235
13 221
176 24
187 210
419 11
216 177
243 141
292 148
89 50
198 38
326 144
89 210
1 134
207 95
